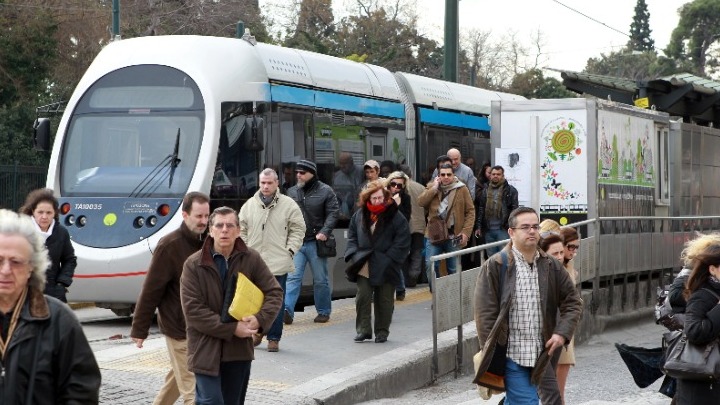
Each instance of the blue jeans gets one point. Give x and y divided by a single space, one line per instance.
495 235
321 283
519 391
433 250
275 332
228 388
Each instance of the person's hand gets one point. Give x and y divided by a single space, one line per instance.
436 184
556 341
138 342
463 239
321 236
478 233
247 327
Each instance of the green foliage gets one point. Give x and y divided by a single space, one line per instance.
640 39
697 32
533 84
633 65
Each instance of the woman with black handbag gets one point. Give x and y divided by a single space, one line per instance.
702 321
377 245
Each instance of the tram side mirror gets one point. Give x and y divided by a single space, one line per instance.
41 134
253 134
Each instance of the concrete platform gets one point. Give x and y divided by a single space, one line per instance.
320 363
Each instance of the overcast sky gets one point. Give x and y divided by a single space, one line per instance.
570 38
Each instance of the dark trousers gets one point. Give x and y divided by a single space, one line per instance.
412 268
275 332
384 299
548 390
228 388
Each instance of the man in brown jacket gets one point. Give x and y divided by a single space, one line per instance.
220 353
447 201
161 290
531 312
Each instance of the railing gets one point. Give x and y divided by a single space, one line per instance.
17 181
619 260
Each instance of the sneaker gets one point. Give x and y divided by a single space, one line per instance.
287 319
400 296
322 318
273 346
257 339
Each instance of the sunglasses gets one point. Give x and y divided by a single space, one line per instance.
300 172
572 247
398 185
446 174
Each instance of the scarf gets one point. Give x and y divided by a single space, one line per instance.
44 234
375 211
445 192
493 205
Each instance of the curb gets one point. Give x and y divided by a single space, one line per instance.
81 305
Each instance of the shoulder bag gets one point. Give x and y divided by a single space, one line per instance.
688 361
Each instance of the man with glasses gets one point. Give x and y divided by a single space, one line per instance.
495 203
272 224
532 304
220 353
161 291
448 203
461 171
320 210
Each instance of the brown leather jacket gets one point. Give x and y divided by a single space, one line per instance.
558 296
209 340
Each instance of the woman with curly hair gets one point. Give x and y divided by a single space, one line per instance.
378 243
42 206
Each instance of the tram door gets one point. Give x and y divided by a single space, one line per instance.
375 147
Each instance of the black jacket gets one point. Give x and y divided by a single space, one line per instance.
675 293
319 206
386 248
49 343
62 257
509 203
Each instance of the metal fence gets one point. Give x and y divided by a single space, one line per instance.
615 254
16 181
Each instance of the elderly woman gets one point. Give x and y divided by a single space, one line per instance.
702 319
42 206
378 243
45 356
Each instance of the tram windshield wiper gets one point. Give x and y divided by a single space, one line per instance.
174 160
157 175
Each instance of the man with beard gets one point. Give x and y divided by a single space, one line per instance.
495 203
320 210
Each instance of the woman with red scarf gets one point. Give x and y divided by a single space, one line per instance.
378 243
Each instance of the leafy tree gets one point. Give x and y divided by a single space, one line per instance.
640 39
697 32
534 84
315 27
633 65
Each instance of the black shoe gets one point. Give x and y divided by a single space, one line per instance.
381 339
400 296
287 319
322 318
362 336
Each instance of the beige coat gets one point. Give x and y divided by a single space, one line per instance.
275 231
462 208
417 216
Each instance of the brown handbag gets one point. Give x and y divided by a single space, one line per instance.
437 231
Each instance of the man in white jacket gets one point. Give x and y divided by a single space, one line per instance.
273 224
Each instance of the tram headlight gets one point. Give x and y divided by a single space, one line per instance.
152 221
163 210
65 208
139 222
81 221
70 220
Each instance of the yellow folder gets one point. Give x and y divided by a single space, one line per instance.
248 299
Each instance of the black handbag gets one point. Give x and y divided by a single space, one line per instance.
327 248
687 361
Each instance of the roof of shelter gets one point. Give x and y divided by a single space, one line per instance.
691 97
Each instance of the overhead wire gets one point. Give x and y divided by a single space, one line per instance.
591 18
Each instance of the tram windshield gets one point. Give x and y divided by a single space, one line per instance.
135 133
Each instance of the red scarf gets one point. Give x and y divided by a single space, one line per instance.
375 210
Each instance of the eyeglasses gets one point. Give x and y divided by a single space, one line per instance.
230 226
445 174
527 228
301 172
398 185
15 264
572 247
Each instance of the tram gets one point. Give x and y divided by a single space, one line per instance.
156 117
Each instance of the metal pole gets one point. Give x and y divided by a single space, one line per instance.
451 40
116 19
240 29
431 280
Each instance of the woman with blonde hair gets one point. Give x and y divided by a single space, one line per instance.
378 243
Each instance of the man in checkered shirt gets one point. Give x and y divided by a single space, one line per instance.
536 312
